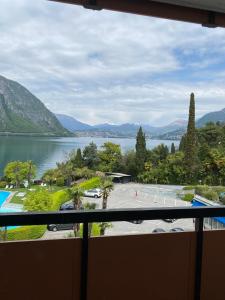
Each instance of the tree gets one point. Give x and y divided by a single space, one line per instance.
160 152
182 143
110 157
106 187
49 177
173 149
64 172
190 150
140 150
38 201
30 171
77 194
76 158
90 206
90 156
129 165
15 172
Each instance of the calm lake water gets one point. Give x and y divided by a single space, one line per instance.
45 152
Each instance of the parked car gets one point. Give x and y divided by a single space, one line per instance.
56 227
158 230
136 221
177 229
68 206
94 193
169 220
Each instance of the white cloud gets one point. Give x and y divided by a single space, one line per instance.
110 67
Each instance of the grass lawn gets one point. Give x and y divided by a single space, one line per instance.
18 200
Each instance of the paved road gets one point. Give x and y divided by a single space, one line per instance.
134 195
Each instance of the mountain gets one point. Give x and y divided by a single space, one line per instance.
72 124
23 113
216 116
122 130
172 135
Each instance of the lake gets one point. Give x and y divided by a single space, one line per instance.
45 152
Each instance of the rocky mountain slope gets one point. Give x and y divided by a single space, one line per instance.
23 113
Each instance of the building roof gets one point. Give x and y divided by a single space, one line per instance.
117 175
210 13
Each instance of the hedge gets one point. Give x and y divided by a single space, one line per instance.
26 233
90 184
188 197
58 198
36 232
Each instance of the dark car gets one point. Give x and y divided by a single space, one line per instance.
56 227
136 221
68 206
158 230
169 220
178 229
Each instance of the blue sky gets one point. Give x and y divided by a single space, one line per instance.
110 67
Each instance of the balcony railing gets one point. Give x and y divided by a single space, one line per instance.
89 247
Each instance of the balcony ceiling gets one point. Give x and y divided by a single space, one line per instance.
209 13
210 5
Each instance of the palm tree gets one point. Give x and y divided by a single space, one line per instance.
90 206
106 187
77 194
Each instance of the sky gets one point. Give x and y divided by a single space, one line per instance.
108 67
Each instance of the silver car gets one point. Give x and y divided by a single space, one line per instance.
94 193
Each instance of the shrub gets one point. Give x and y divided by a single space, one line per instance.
3 184
211 195
189 188
38 201
188 197
90 184
26 233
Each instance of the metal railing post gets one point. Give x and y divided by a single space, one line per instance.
198 259
84 263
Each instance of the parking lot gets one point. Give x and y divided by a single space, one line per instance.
134 195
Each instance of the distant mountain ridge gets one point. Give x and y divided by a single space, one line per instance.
123 130
72 124
216 116
23 113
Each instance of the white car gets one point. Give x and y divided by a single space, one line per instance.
94 193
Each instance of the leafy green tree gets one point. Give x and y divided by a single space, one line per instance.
15 172
76 158
141 151
190 151
49 177
173 149
110 157
106 187
64 172
30 171
161 152
38 201
90 156
129 165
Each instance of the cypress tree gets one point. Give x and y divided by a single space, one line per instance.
190 147
173 149
79 159
141 150
182 143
